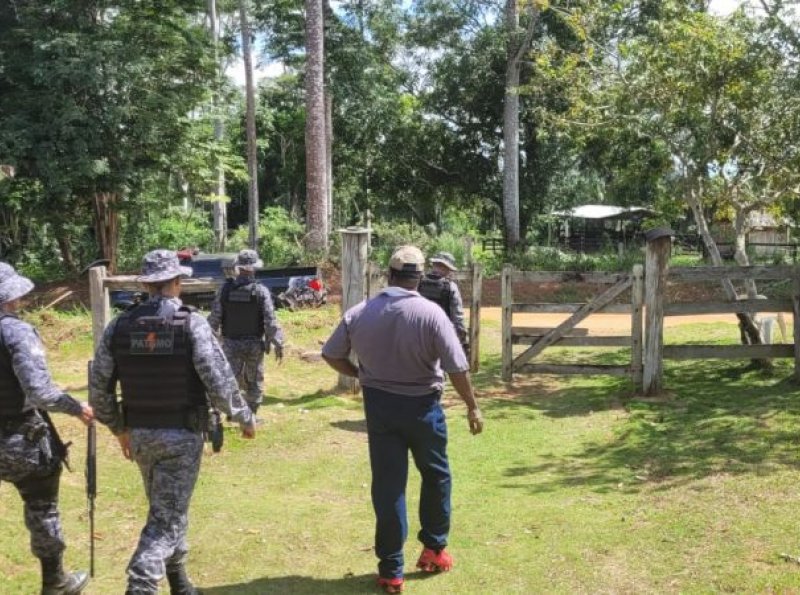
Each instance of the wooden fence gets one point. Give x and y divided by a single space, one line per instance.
648 355
658 273
567 334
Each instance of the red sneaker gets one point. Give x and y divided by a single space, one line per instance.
430 561
391 585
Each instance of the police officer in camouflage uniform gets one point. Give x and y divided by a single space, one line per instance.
30 452
167 360
243 310
437 286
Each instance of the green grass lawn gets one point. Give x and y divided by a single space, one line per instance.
575 485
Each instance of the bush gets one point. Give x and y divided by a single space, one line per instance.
387 237
543 258
174 230
279 238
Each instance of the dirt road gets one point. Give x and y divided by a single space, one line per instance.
609 324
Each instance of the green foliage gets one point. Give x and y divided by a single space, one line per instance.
279 238
387 236
552 259
97 99
173 229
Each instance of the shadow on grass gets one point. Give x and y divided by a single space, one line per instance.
719 417
351 425
558 397
316 398
297 584
364 583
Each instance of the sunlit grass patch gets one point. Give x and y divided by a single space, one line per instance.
576 486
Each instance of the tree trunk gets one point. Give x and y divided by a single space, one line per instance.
511 131
316 162
329 155
741 226
252 155
219 208
65 247
749 329
106 227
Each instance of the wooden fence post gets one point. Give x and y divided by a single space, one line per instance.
475 318
101 306
355 244
637 297
507 297
796 323
656 267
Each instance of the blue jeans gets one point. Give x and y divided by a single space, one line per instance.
395 425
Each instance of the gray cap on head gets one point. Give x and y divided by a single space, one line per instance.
12 285
446 259
248 258
162 265
407 260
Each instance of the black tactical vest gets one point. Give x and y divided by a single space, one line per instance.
12 398
437 289
242 312
153 355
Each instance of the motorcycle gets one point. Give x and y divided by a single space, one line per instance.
304 292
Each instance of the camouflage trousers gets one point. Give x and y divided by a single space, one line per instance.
37 481
246 357
169 461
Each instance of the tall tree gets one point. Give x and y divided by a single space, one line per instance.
316 136
219 207
250 118
518 44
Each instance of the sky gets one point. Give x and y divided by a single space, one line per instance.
236 70
724 7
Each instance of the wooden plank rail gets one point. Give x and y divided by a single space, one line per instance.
189 285
711 273
689 308
568 308
728 351
543 330
567 276
596 341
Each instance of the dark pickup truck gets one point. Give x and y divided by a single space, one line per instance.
289 286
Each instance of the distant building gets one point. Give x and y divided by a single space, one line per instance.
595 228
768 235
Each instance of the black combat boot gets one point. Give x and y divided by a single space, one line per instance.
57 582
179 583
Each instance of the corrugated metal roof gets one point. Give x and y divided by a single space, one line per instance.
598 211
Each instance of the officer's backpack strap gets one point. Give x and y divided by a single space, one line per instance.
226 290
183 316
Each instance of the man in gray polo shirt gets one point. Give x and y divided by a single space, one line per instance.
403 343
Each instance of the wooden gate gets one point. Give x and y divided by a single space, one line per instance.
567 334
